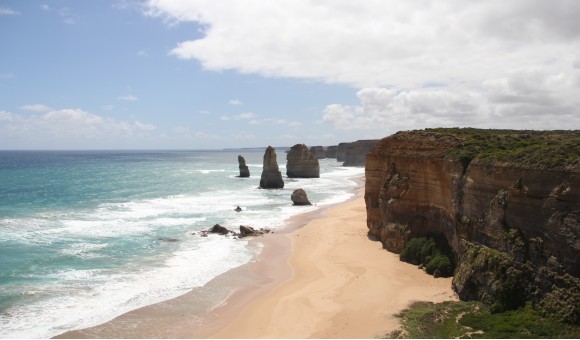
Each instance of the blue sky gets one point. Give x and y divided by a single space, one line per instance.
176 74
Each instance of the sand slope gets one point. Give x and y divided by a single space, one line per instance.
343 285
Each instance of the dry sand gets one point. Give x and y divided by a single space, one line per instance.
343 285
326 279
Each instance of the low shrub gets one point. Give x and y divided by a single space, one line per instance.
440 263
432 251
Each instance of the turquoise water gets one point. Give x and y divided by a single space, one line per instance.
86 236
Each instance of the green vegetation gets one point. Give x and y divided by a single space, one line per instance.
533 149
432 251
471 320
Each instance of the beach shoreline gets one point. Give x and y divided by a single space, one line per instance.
321 276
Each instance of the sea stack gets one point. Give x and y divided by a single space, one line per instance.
299 197
244 171
302 163
271 176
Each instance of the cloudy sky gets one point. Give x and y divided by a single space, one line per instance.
190 74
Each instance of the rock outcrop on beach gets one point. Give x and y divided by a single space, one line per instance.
301 163
244 171
245 231
271 176
299 197
507 202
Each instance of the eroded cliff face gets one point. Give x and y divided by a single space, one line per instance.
301 163
514 230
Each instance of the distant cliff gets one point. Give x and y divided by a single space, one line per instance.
301 163
507 202
352 154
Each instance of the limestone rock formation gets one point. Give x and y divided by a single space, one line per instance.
341 151
301 163
218 229
271 176
331 151
318 152
507 202
299 197
355 153
246 231
244 171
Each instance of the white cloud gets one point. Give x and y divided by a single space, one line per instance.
376 43
6 116
416 64
69 128
241 116
129 98
527 99
35 108
235 102
278 121
8 11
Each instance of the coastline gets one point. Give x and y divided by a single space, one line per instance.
321 276
343 284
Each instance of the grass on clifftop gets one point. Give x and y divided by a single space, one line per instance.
527 148
472 320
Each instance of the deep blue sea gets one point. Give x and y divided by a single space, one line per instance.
88 235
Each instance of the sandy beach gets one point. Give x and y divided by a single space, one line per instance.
326 279
343 284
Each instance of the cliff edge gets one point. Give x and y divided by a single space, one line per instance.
507 202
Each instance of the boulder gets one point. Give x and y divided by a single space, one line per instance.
244 171
271 175
299 197
302 163
218 229
246 231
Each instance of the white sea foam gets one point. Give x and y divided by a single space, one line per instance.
77 297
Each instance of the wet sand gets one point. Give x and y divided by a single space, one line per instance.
320 278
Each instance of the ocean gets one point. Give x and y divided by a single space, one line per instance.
86 236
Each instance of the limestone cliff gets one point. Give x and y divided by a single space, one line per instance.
301 163
508 203
331 151
354 153
271 176
318 152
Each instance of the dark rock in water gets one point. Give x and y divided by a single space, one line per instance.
238 209
299 197
271 176
246 231
302 163
218 229
167 239
244 171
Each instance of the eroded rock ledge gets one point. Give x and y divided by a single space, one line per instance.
507 202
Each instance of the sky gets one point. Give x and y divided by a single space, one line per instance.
212 74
